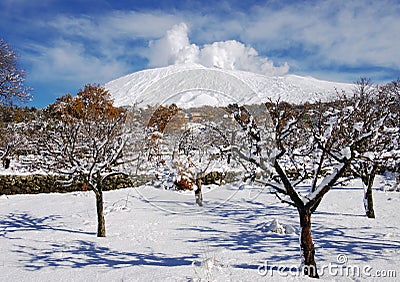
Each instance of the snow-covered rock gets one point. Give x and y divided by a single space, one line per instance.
276 227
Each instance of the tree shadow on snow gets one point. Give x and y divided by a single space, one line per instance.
361 244
20 222
247 234
358 242
80 254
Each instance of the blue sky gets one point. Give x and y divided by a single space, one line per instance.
64 45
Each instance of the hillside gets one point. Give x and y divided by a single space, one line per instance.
193 85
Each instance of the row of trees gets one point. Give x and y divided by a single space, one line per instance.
90 140
319 145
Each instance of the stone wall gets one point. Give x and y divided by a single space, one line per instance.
36 183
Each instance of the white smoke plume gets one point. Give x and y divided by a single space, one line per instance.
175 48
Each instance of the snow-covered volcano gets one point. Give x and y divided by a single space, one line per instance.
192 85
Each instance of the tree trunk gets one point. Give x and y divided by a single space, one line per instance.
101 223
306 244
197 193
6 163
368 199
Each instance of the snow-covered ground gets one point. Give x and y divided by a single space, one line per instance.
158 235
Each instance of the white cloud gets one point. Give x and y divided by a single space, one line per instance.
351 33
93 49
114 25
83 49
175 48
309 35
68 62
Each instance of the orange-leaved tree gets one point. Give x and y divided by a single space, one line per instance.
84 137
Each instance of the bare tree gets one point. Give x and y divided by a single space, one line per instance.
84 138
392 91
202 149
374 105
16 127
8 142
11 77
314 142
11 89
190 153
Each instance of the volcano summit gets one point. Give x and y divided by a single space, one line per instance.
193 85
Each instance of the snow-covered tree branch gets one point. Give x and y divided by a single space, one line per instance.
376 120
84 137
12 78
314 145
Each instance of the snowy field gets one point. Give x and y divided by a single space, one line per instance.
158 235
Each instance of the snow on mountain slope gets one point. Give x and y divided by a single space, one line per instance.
191 85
